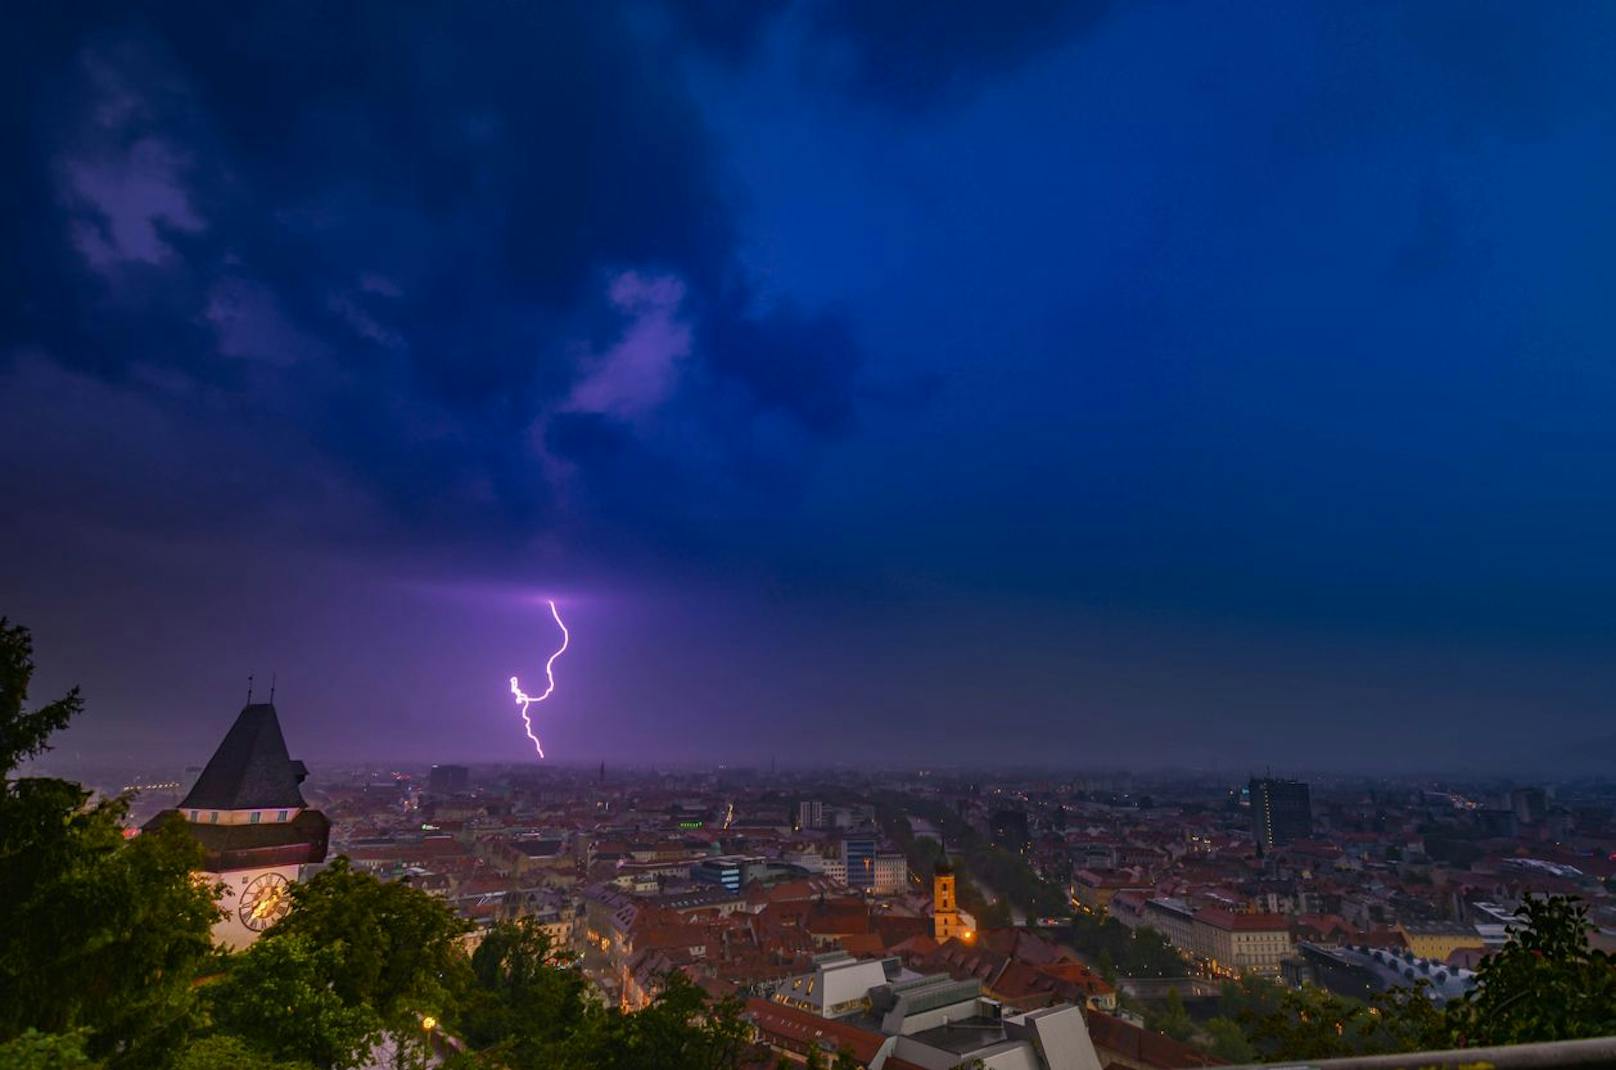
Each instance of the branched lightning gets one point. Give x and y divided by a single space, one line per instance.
523 699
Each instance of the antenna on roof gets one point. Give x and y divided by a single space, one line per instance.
272 688
249 689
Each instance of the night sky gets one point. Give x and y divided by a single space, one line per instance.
1218 385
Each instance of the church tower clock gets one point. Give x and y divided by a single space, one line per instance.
257 831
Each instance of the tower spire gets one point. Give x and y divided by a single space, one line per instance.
249 688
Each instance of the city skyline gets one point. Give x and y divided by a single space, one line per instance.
1080 385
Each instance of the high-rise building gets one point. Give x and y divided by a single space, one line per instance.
448 779
891 874
810 814
858 854
256 830
1281 811
1530 804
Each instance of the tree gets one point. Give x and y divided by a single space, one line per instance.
23 734
100 934
1171 1018
681 1030
995 915
1545 984
522 999
223 1052
280 1000
1313 1023
34 1050
1150 954
1248 998
1228 1041
397 948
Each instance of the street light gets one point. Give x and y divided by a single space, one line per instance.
428 1023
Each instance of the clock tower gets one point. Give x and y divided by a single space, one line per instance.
945 913
256 830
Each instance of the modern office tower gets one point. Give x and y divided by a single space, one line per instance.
858 854
1281 811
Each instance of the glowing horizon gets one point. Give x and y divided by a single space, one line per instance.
525 700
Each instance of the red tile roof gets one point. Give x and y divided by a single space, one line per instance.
1224 919
799 1029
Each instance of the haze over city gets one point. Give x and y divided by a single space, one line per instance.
1072 385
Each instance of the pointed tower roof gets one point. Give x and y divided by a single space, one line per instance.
251 769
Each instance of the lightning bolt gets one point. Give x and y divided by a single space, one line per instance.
523 699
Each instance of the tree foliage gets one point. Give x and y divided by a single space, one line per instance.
1227 1041
33 1050
101 935
1546 984
1170 1017
280 1000
24 733
397 949
220 1051
1142 952
521 999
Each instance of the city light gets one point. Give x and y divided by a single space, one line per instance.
525 700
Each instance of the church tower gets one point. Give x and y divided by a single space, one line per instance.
945 917
256 830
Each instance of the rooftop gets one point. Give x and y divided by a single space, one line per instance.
251 769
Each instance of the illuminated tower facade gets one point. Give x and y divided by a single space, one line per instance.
945 916
256 830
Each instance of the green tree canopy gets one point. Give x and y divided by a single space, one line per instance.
1228 1041
521 999
101 935
279 999
24 733
399 949
33 1050
1546 984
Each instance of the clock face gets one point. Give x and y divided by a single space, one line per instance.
265 901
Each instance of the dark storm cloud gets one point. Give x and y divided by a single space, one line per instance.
730 30
1458 73
919 56
1229 375
393 232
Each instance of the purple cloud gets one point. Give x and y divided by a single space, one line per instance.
637 374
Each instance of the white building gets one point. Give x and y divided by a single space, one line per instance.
938 1023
